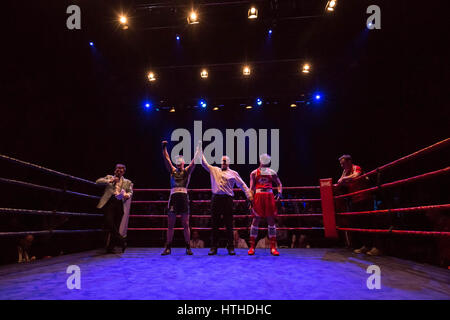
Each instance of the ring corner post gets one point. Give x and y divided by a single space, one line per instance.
327 201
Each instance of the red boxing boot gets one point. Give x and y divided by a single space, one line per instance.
251 251
273 247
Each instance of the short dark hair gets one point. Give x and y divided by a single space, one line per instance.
345 157
121 165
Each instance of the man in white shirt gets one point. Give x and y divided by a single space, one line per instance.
223 180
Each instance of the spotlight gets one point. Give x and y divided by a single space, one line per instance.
151 76
124 22
203 103
178 37
193 18
318 97
293 105
259 102
204 74
270 31
172 109
216 108
248 107
91 44
306 67
252 13
331 5
246 71
147 105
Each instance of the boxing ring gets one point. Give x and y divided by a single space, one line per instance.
317 273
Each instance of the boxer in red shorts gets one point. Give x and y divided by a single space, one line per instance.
264 206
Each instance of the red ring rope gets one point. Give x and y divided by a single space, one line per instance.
398 182
424 233
399 210
236 228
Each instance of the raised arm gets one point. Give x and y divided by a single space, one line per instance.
166 158
190 168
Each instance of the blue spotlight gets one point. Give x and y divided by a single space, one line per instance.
203 103
318 97
178 37
259 102
270 31
91 44
147 105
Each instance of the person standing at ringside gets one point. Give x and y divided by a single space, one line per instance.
349 183
178 200
118 192
261 183
223 180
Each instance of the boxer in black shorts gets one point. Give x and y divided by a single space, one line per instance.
178 200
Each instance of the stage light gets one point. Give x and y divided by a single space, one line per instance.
203 103
193 18
293 105
331 5
252 13
124 22
216 108
147 105
91 44
259 102
151 76
204 74
318 97
246 71
249 107
306 67
270 31
178 37
172 109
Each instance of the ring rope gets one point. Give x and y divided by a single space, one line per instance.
50 213
236 228
235 189
433 147
43 232
398 182
424 233
399 210
39 187
239 216
44 169
207 201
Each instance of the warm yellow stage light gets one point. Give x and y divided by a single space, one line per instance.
246 71
216 108
193 18
252 13
151 76
331 5
248 107
306 68
293 105
172 109
204 74
123 19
